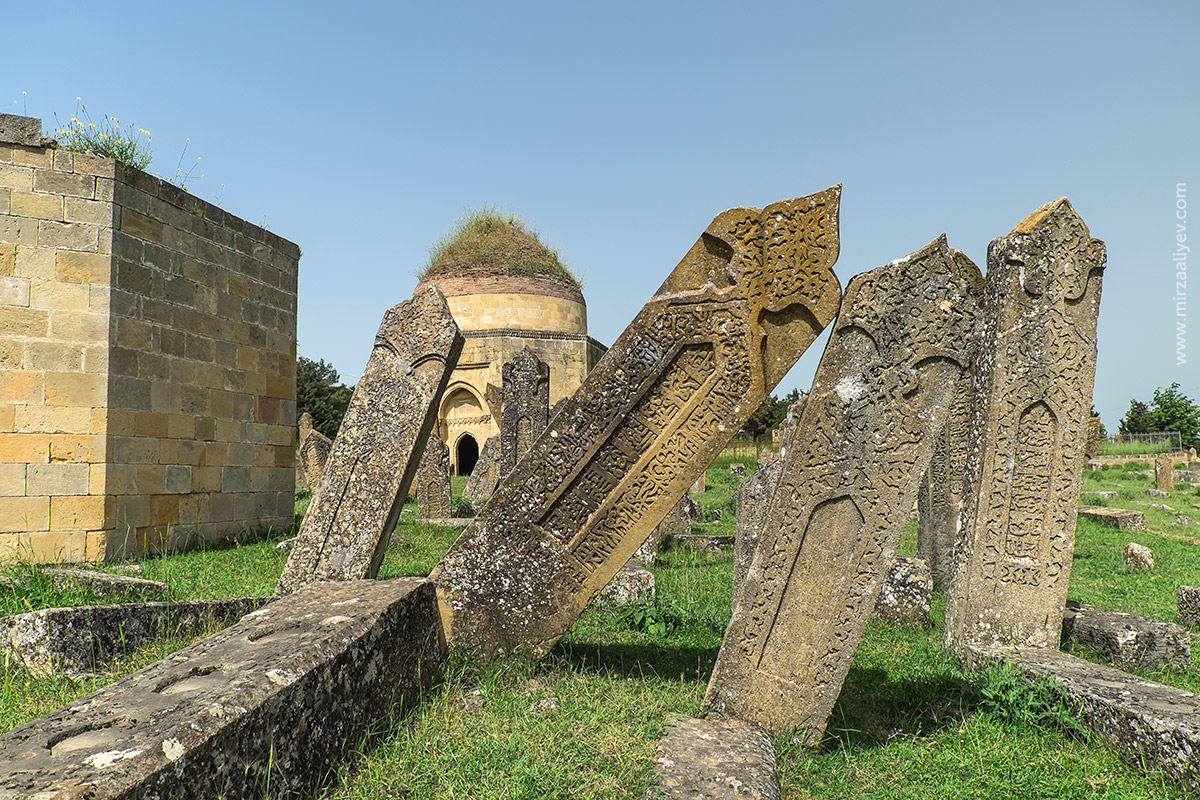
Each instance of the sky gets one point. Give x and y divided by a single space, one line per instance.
619 130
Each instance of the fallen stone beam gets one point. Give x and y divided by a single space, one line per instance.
715 760
1120 518
1126 640
267 707
105 584
1145 721
85 640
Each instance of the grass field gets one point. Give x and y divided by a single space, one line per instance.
584 722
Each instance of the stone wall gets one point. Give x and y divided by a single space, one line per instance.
147 362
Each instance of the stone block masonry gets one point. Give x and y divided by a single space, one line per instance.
147 362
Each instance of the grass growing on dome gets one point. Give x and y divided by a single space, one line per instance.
489 241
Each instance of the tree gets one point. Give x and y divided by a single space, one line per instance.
1172 410
319 392
769 414
1137 419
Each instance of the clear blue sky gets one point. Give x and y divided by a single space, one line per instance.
362 131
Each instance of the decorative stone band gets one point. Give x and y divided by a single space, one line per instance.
459 421
527 333
484 283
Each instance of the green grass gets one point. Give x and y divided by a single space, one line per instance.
584 722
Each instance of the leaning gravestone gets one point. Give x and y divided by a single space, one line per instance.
375 457
485 476
1033 394
1164 474
524 408
906 334
939 501
314 452
433 481
732 318
1092 448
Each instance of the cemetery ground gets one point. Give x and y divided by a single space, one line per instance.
584 721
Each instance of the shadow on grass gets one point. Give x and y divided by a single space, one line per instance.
636 660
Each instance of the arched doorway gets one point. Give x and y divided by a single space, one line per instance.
466 450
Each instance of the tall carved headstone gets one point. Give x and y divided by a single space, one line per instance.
486 474
732 318
756 492
433 481
1032 399
1164 473
375 456
524 408
906 334
940 499
314 452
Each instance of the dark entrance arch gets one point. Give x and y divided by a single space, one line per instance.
466 453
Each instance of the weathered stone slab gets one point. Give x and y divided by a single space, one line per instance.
677 522
525 406
446 522
940 498
1186 476
737 468
379 445
632 582
1121 518
314 452
905 337
1188 611
705 542
1145 721
1092 448
1164 474
1159 493
485 476
16 129
1126 640
1103 495
104 584
433 481
728 323
1033 394
906 593
85 640
701 759
268 707
701 484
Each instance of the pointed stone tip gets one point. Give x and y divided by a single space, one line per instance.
1043 211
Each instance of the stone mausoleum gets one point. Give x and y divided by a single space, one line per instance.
506 291
147 360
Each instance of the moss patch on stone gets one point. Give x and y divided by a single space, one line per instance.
489 242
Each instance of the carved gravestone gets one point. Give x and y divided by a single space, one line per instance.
906 335
677 522
700 485
1032 399
754 494
1164 474
524 408
732 318
737 468
433 481
485 476
940 499
1092 449
314 452
375 457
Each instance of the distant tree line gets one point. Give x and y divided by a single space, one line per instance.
769 415
1169 410
319 391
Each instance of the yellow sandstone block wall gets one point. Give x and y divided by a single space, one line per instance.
147 363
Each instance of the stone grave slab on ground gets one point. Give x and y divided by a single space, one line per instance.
1033 393
433 481
632 582
85 640
1145 721
105 584
701 759
1138 556
905 337
727 324
1126 640
524 408
374 460
1188 605
906 593
1121 518
279 700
